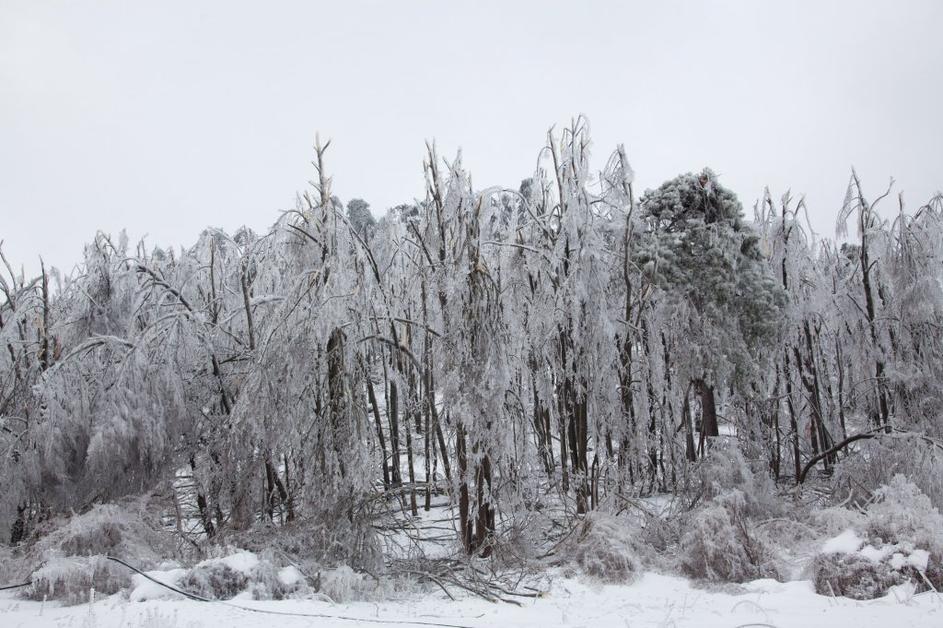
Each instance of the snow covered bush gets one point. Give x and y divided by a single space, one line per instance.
662 532
120 530
834 520
901 512
214 580
70 557
269 582
229 575
878 460
854 576
725 469
71 579
719 545
898 539
323 541
605 548
343 584
226 577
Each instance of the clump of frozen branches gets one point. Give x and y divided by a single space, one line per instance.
605 547
725 469
720 544
68 556
854 576
878 460
897 538
74 579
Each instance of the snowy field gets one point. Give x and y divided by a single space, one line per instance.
654 600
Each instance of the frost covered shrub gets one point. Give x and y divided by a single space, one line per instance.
902 513
878 460
316 542
214 580
71 579
898 538
69 557
854 576
660 534
229 575
343 584
605 548
834 520
514 546
718 545
268 582
265 583
112 529
724 469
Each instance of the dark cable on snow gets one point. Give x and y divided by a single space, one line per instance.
192 596
284 613
16 586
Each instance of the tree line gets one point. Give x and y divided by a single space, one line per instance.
565 340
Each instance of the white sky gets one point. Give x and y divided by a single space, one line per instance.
167 117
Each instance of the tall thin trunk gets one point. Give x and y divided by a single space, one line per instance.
465 524
372 397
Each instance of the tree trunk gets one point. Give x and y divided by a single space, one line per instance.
708 409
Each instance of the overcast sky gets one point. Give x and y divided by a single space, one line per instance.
168 117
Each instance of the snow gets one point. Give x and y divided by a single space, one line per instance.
875 554
289 576
897 561
847 542
143 589
919 559
654 600
243 562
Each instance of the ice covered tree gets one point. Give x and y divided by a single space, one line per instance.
361 218
707 265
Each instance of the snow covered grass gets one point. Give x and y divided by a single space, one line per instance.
652 600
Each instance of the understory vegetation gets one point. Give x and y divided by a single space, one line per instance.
483 386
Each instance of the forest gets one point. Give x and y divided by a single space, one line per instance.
485 385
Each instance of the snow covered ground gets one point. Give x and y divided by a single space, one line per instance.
654 600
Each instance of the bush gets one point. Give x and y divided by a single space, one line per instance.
661 534
902 513
214 580
113 529
854 576
343 584
724 469
718 546
268 582
834 520
878 460
72 579
69 558
226 577
902 537
605 548
328 539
